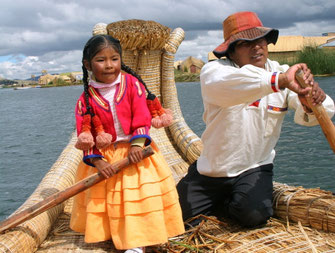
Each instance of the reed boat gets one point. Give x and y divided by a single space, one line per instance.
22 88
304 219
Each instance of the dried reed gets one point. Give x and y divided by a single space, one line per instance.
137 34
312 207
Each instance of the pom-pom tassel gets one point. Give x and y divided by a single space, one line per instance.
160 117
166 117
157 122
103 139
85 139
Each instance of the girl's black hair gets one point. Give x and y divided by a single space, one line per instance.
92 47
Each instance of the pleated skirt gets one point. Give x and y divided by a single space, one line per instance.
137 207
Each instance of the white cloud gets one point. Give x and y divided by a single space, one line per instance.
55 31
53 62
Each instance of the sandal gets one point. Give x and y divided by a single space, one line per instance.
136 250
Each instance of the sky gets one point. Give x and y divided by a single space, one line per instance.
49 35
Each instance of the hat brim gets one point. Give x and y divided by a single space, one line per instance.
270 34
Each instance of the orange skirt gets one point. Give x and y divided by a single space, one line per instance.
137 207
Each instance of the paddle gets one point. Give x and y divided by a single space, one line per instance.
61 196
320 113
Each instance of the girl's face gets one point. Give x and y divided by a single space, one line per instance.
105 65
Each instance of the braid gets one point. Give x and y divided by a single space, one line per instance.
87 94
132 72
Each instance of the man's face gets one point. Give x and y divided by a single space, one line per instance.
250 52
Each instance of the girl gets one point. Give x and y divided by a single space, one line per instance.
138 206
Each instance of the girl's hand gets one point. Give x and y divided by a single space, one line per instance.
105 168
135 154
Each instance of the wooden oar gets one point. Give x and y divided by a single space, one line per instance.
61 196
320 113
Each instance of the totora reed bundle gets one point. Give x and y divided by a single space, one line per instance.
312 207
139 34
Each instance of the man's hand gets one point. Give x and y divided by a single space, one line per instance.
313 91
317 97
288 80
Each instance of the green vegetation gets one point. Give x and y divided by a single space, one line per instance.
59 83
320 61
181 76
7 82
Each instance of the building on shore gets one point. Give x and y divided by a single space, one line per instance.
287 47
177 65
190 65
329 45
70 78
45 79
76 77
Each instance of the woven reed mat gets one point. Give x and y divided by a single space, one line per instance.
212 235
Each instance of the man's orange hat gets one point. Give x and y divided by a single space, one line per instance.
243 26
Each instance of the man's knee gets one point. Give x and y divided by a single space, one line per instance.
253 218
251 214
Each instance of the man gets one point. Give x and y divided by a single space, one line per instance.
246 97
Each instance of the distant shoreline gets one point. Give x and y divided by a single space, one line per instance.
179 78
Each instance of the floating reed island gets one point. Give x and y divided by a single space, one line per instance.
304 218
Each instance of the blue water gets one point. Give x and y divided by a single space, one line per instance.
36 125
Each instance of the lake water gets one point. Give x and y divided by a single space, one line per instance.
36 125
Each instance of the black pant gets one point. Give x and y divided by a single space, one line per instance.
246 198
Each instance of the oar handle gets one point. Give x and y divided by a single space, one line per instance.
61 196
320 113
